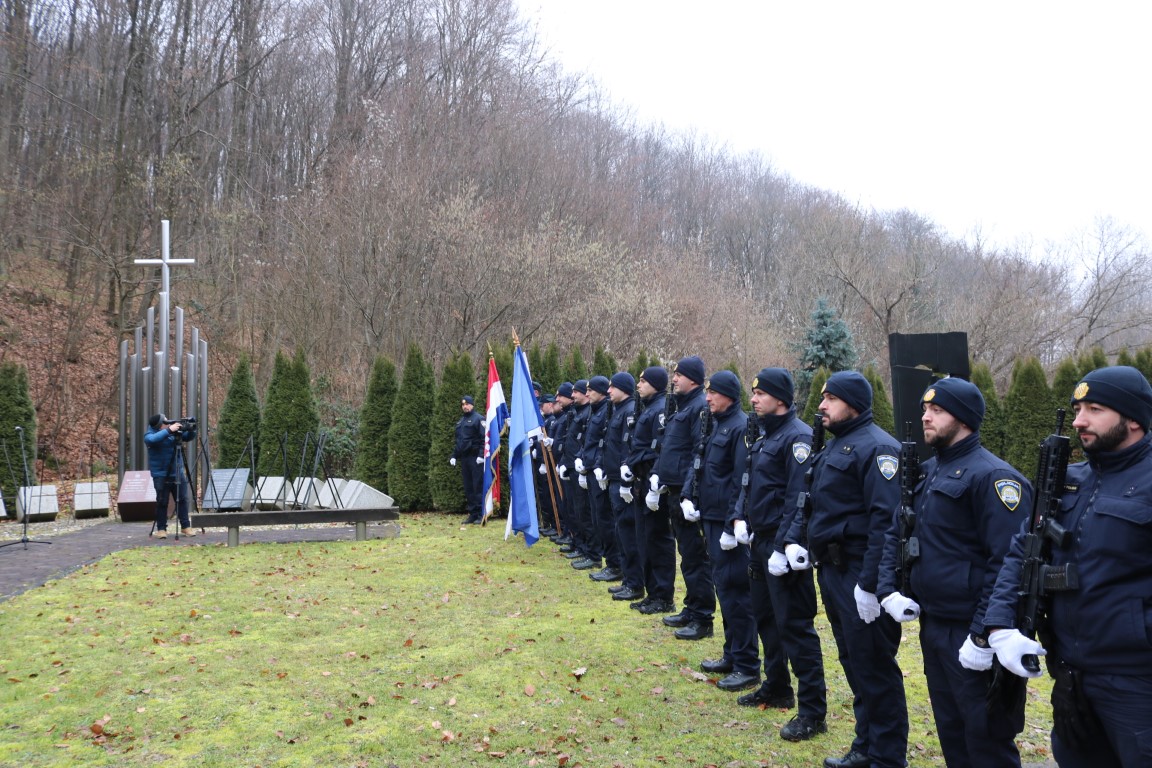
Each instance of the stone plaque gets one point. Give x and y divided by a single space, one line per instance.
137 500
38 503
305 493
91 500
332 493
228 489
358 495
271 493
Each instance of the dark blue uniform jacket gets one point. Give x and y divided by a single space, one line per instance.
681 434
778 462
1106 625
968 505
725 457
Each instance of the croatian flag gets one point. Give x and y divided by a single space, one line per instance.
494 418
524 421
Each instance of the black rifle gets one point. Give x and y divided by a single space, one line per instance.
1037 577
706 422
751 435
909 477
804 500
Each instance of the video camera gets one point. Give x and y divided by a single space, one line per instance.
185 422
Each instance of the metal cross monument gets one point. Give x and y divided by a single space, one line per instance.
156 376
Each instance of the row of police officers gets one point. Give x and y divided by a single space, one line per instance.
762 508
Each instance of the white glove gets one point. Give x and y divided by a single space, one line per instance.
727 541
626 473
1011 646
743 535
626 494
867 606
778 564
900 607
543 469
547 441
579 465
797 557
562 470
582 480
601 478
452 461
652 500
534 453
654 483
479 459
688 509
974 657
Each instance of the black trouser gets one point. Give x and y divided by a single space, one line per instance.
695 568
600 509
730 576
473 477
165 488
973 733
624 516
788 604
868 656
656 548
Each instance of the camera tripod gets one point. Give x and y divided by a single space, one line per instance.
26 490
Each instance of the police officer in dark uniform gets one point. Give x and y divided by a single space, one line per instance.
562 412
599 508
854 494
1098 635
546 488
710 496
681 435
469 456
783 600
622 522
577 442
968 503
655 545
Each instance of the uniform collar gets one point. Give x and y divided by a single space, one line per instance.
1115 461
965 446
852 425
773 422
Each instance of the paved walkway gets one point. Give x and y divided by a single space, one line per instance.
24 566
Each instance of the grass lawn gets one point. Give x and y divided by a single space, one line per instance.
446 646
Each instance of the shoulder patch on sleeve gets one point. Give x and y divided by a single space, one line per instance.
801 451
1010 493
888 465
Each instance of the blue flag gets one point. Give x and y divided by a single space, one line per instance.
524 421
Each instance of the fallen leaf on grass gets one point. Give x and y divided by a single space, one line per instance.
529 690
579 672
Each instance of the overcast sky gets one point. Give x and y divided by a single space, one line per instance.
1024 121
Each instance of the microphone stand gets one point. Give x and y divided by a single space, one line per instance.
26 490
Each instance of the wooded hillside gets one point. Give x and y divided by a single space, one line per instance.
353 177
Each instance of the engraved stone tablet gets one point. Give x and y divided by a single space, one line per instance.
38 503
91 500
228 489
137 500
